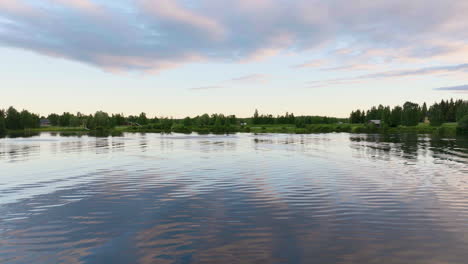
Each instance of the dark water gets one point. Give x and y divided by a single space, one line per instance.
331 198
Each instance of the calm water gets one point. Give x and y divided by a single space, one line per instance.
326 198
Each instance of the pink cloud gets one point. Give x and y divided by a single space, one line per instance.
171 10
17 7
145 65
78 4
417 72
147 34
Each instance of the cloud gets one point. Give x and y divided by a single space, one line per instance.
202 88
309 64
154 35
394 74
173 13
461 88
354 67
417 72
252 78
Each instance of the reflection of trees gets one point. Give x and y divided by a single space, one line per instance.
450 149
18 152
22 134
385 146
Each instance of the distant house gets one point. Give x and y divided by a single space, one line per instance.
44 122
377 123
135 124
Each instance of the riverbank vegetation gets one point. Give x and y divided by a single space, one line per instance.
447 117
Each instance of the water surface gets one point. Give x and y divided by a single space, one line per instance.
151 198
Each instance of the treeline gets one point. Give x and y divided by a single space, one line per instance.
407 115
289 118
411 114
102 119
12 119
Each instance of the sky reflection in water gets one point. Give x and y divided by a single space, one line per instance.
150 198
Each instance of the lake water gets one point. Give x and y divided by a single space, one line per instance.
245 198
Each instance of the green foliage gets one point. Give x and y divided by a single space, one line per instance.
181 129
118 120
424 112
142 119
187 122
300 122
64 119
28 120
2 122
397 120
436 116
256 118
102 120
463 125
386 116
411 114
166 124
461 110
357 117
13 119
395 116
53 119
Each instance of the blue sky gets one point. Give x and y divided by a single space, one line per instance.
179 57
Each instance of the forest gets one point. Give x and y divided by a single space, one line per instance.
12 119
411 114
403 117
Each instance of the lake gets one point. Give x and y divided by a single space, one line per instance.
243 198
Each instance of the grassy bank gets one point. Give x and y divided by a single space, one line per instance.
448 129
57 129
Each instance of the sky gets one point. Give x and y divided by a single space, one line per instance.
184 58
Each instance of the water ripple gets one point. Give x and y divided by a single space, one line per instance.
245 198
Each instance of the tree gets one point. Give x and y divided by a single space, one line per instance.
28 120
204 120
463 124
64 119
166 124
356 117
255 119
411 114
423 112
13 119
436 115
75 121
118 120
462 109
142 119
187 122
386 115
2 122
53 119
395 116
101 120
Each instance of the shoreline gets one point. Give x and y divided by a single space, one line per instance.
448 130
